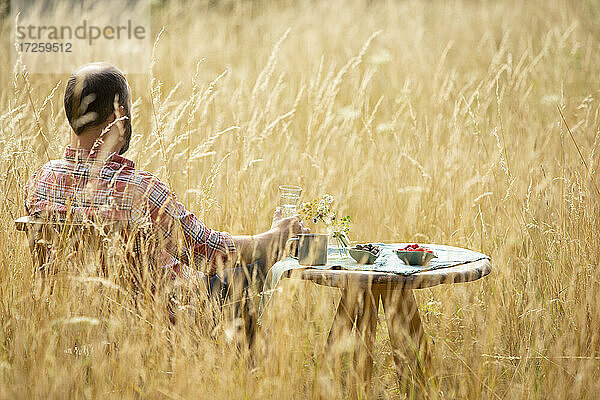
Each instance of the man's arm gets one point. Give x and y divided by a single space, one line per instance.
268 245
183 235
206 249
250 248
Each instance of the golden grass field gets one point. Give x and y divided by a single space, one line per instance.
427 121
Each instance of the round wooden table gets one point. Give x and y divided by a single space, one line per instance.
362 291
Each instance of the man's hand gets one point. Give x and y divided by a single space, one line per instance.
269 245
283 229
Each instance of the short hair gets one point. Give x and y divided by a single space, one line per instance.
91 93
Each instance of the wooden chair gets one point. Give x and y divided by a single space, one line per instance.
127 255
118 251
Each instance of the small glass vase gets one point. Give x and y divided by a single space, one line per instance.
342 242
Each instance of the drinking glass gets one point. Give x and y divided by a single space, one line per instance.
289 199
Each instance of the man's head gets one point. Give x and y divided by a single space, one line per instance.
95 96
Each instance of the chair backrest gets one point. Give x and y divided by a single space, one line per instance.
115 250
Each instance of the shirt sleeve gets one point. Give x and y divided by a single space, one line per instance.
184 236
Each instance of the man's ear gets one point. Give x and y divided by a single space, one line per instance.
119 112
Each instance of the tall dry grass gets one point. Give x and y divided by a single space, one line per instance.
428 121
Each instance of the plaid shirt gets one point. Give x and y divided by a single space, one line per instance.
108 185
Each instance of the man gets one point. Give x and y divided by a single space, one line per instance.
94 179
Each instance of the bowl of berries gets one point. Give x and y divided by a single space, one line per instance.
415 254
365 253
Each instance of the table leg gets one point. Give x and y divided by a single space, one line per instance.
366 325
409 346
344 318
360 306
340 333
